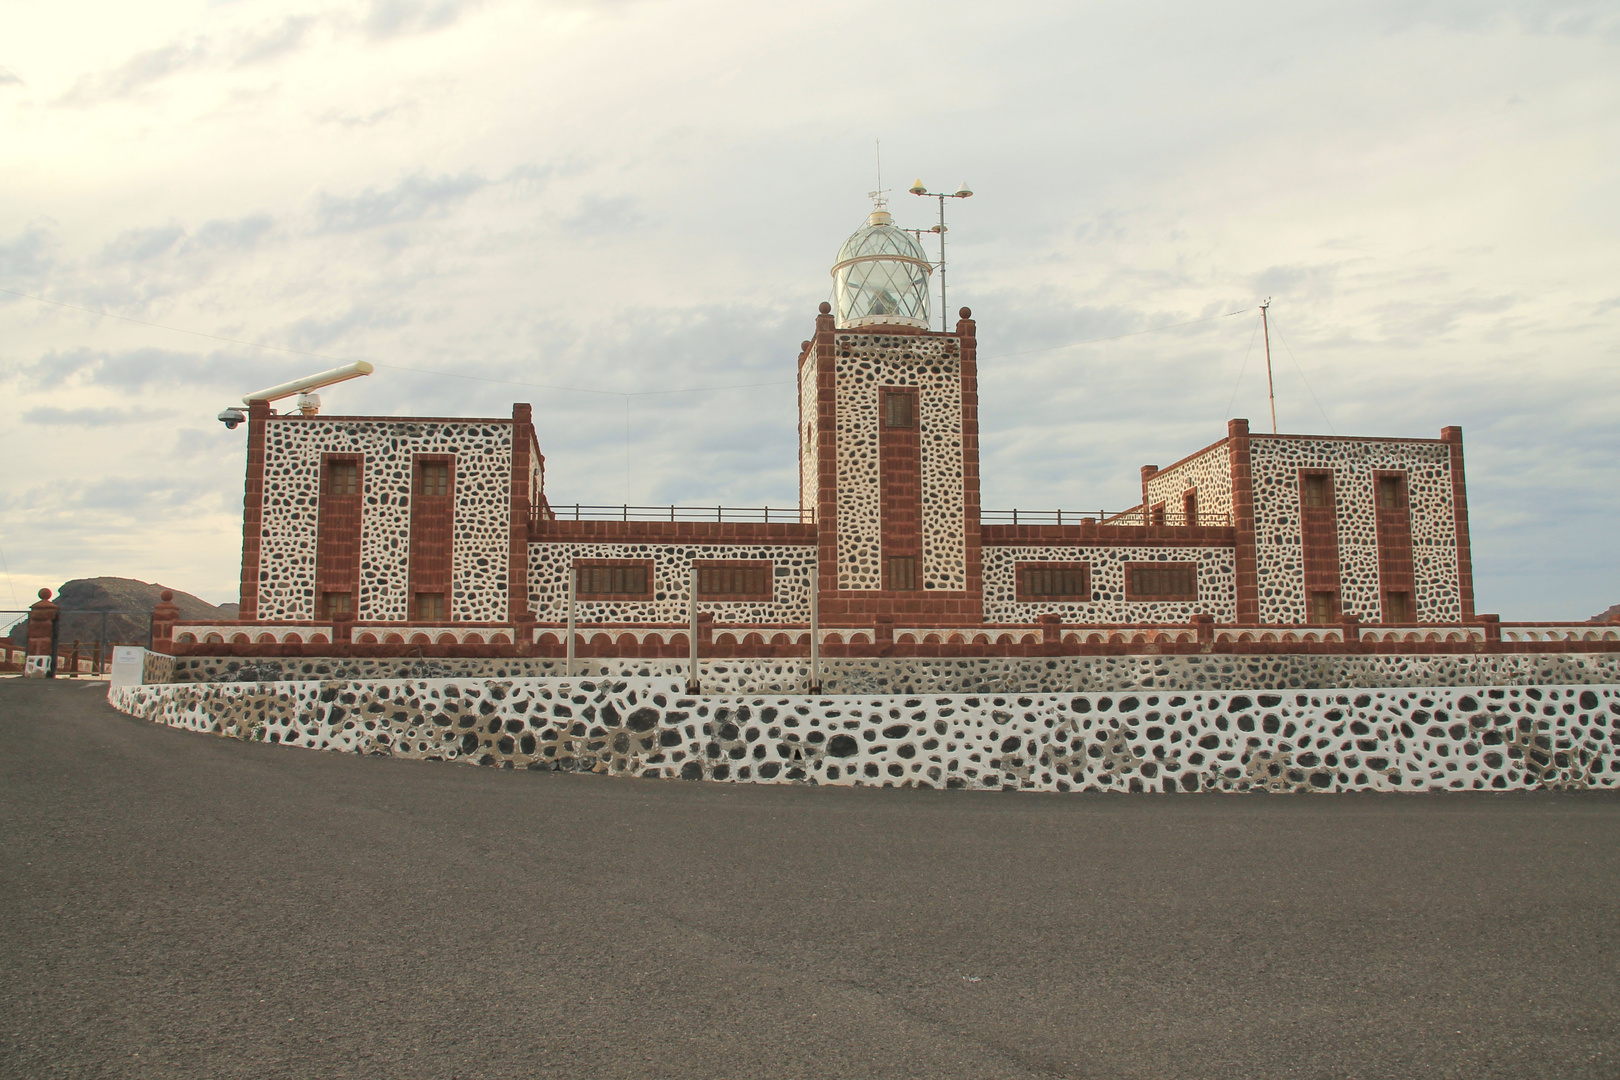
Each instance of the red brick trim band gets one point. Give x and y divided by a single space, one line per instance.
1453 437
1244 554
253 509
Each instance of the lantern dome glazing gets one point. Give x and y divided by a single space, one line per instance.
881 277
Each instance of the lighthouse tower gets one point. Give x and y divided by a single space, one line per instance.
889 442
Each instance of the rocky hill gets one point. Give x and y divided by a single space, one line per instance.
1612 615
131 601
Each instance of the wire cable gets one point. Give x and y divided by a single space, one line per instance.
395 367
1302 377
1117 337
1242 368
10 581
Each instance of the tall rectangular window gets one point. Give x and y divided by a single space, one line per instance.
1156 515
902 572
899 409
1189 507
1398 607
1162 581
1038 581
433 528
1321 607
1390 495
1316 490
337 543
429 607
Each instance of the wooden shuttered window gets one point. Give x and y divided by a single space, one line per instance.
737 582
901 572
1038 582
621 579
1163 581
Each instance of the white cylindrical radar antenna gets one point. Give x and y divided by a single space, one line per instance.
306 386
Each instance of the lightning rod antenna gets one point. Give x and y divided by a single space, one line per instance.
1271 390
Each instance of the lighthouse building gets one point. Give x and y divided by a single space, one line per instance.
434 535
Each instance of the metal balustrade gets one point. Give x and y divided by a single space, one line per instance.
1133 516
766 515
800 516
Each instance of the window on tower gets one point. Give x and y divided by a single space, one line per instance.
902 572
899 409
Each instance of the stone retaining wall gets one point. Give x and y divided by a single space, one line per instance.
979 675
1385 739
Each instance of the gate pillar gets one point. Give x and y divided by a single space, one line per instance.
41 662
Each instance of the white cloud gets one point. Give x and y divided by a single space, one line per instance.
629 197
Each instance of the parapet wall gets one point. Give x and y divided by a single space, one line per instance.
1389 739
978 675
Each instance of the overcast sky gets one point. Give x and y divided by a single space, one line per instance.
635 197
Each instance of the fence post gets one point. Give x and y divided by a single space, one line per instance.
164 615
692 684
1350 631
41 661
573 579
1051 633
1204 627
815 631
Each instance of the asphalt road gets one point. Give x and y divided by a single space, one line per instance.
178 905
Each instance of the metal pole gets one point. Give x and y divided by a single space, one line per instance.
692 686
815 630
944 310
1271 391
573 578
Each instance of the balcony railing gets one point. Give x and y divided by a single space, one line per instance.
767 515
795 515
1133 516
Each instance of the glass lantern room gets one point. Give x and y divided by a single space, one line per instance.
881 277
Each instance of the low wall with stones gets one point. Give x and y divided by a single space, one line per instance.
978 675
1387 739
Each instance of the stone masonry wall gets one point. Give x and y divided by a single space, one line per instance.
292 481
672 575
925 675
1209 473
1216 584
1276 465
933 365
1422 739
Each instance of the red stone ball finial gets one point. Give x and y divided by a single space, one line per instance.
826 308
966 313
166 595
44 594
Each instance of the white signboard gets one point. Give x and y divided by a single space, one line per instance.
128 665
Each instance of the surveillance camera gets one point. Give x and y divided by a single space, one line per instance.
231 417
